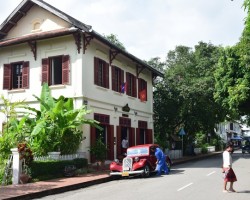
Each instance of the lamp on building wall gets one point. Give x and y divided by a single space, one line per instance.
115 108
85 102
135 112
84 138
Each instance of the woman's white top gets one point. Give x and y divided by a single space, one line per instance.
227 159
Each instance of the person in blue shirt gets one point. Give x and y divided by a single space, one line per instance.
161 161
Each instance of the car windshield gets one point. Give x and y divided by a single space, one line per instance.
137 151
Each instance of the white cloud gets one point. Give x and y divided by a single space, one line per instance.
150 28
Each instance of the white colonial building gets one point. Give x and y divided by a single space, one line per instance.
229 131
39 43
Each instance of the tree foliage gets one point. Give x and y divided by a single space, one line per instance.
57 124
185 96
114 39
232 89
156 63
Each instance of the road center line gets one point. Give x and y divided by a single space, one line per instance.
211 173
184 187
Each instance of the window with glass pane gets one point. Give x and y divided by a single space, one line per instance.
17 69
55 70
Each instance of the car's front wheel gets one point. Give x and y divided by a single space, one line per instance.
146 171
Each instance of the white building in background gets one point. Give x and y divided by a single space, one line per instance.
39 43
229 131
245 131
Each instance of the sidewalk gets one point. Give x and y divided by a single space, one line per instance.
55 186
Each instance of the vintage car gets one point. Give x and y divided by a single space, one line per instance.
139 160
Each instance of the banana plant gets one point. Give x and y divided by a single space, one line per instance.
58 124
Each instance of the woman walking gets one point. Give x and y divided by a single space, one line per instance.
229 175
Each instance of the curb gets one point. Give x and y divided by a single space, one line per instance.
60 190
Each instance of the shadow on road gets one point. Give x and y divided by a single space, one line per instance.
176 171
244 191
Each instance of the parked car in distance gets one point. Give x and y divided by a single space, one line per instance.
139 160
245 147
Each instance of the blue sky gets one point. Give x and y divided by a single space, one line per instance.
150 28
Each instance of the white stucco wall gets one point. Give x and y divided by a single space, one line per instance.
47 21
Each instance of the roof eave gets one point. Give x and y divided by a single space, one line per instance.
125 53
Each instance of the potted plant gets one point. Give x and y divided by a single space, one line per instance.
26 158
99 151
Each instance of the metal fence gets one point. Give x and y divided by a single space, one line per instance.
54 156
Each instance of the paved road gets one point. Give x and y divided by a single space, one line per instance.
198 180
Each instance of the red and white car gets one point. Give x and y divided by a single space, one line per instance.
138 161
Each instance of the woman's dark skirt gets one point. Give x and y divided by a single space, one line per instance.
229 175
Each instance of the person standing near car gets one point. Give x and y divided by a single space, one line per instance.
124 145
229 175
161 161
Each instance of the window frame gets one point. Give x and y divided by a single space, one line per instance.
117 78
142 85
47 68
101 73
131 87
9 77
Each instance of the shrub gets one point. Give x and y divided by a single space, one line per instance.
200 139
43 170
2 168
99 150
204 149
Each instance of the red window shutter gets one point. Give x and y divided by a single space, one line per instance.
134 87
45 70
106 75
65 69
142 89
146 88
6 76
127 84
96 63
122 77
25 75
139 87
110 140
137 136
149 136
113 77
118 141
132 137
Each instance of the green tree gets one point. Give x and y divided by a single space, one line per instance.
156 63
232 88
185 96
10 109
13 130
114 39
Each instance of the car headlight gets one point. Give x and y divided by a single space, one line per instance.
137 159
